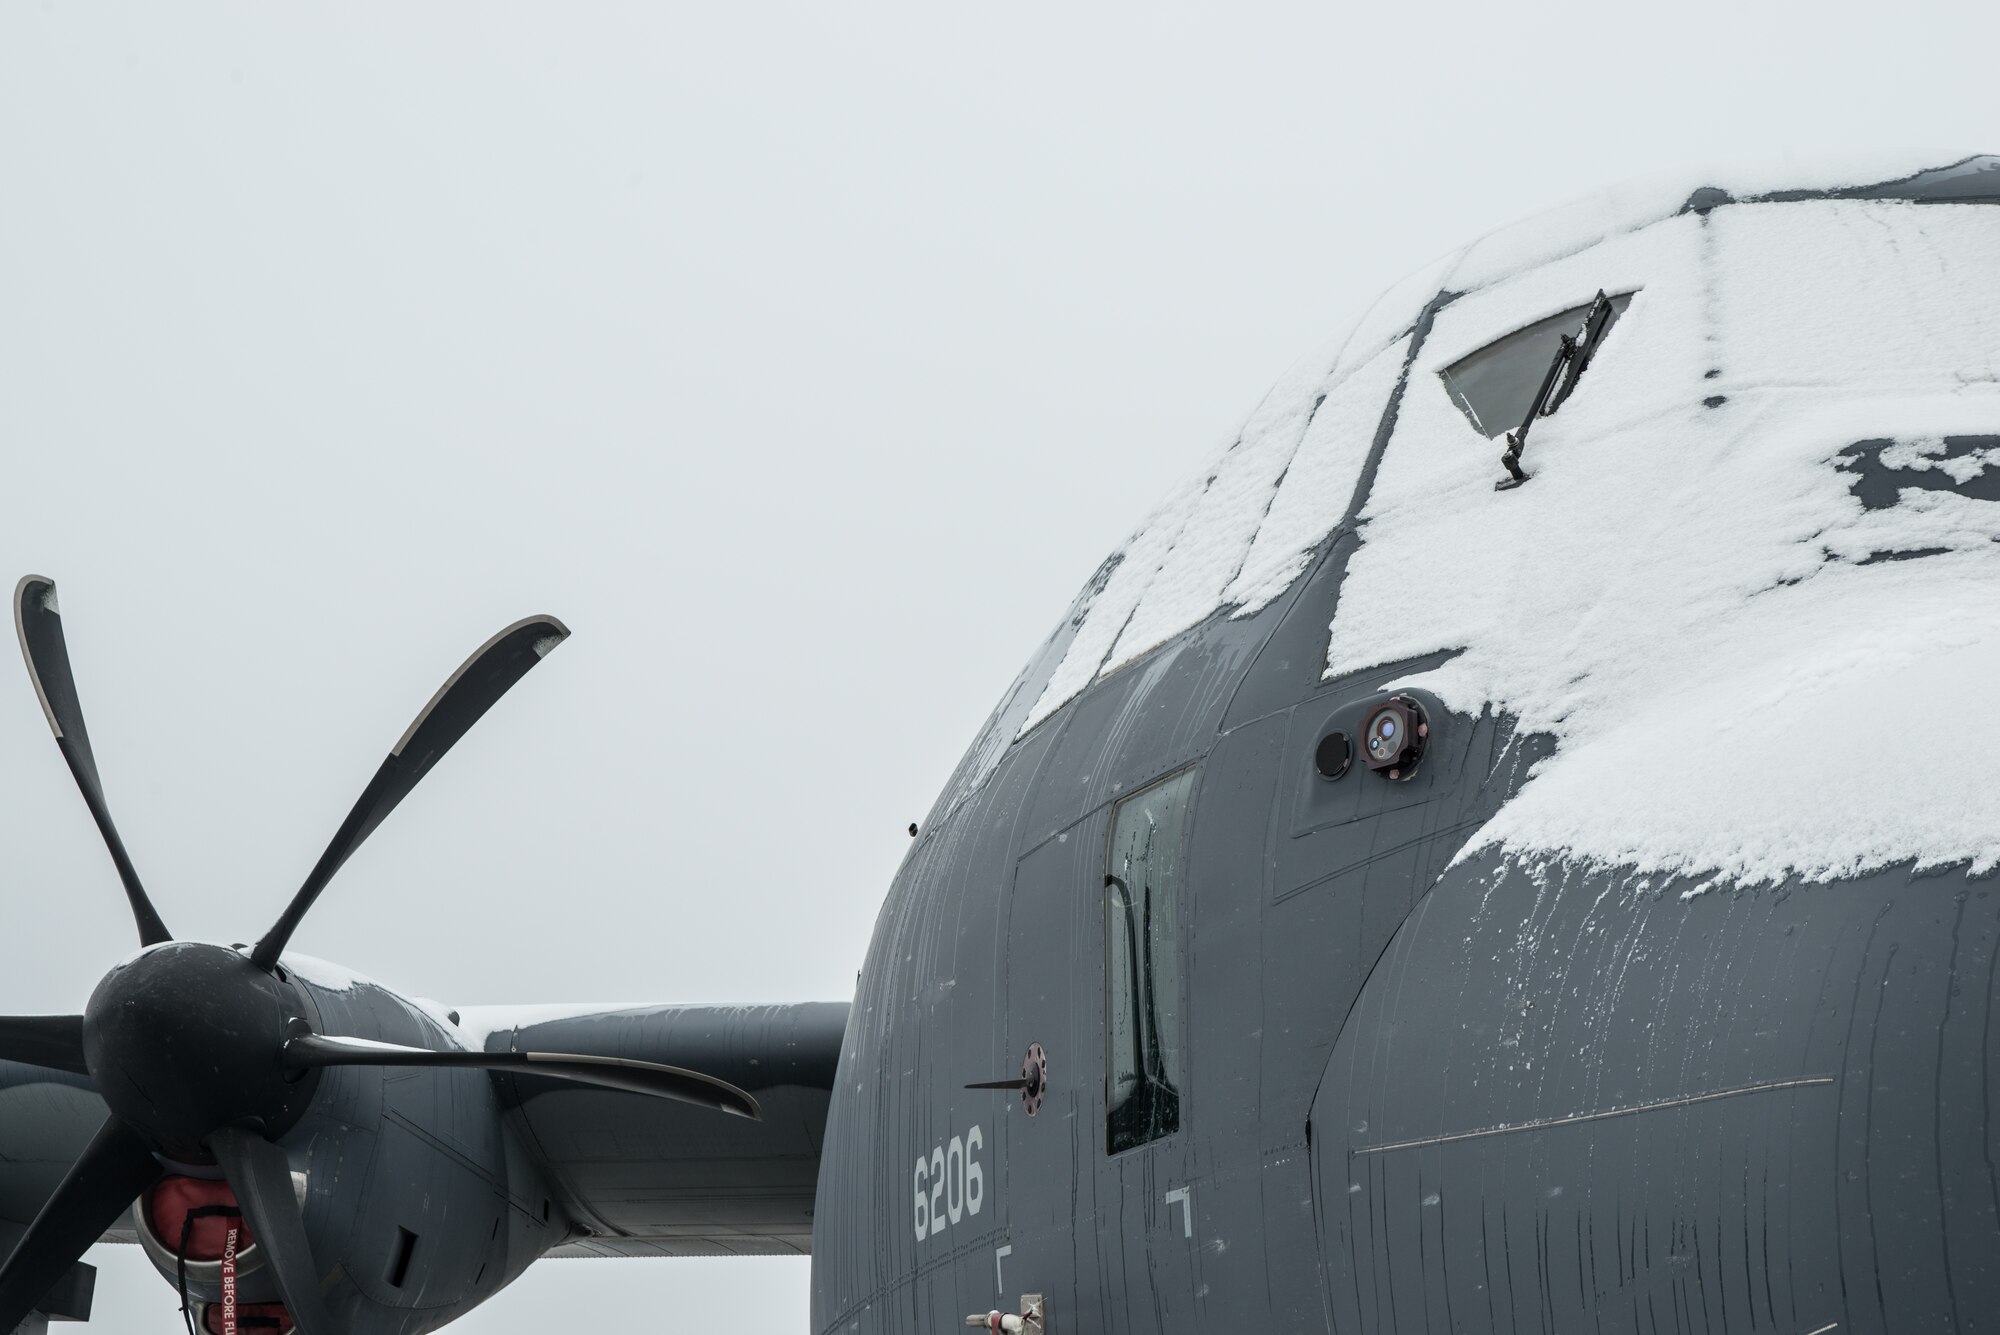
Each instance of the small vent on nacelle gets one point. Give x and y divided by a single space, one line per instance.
399 1263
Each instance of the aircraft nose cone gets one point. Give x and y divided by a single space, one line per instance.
185 1038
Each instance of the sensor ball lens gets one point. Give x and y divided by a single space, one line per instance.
1396 734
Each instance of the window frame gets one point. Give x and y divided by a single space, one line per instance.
1176 924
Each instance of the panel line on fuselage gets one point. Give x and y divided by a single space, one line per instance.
1575 1118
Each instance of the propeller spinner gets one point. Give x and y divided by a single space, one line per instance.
178 1007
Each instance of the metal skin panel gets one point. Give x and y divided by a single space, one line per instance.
50 1116
650 1177
1730 1111
425 1151
953 947
1055 998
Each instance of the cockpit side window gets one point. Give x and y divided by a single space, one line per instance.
1495 385
1144 881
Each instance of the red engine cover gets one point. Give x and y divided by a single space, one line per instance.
251 1319
167 1207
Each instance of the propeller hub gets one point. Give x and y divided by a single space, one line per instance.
185 1038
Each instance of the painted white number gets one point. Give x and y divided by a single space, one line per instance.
949 1184
975 1180
954 1179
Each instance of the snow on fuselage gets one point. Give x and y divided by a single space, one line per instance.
1695 558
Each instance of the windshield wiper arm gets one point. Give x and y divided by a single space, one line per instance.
1573 356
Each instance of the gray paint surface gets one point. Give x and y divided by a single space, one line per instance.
1422 1095
654 1178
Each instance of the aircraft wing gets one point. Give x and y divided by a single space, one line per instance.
46 1118
651 1177
639 1176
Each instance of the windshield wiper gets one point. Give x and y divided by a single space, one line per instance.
1572 359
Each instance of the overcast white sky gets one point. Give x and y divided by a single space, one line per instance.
804 359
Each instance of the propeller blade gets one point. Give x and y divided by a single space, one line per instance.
637 1077
116 1166
38 625
261 1176
55 1041
467 694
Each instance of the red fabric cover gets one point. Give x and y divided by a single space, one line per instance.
167 1206
211 1318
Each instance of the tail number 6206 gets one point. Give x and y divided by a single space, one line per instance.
949 1184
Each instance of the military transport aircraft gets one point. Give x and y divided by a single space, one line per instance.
1509 847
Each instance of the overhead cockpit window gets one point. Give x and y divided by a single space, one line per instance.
1495 386
1142 912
